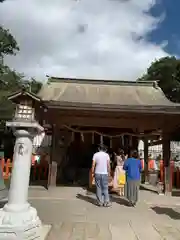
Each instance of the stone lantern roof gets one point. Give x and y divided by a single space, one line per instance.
23 94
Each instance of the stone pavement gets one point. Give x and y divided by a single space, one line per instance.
73 216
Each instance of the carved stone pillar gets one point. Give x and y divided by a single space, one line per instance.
18 220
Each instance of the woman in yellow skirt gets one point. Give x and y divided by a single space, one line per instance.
119 173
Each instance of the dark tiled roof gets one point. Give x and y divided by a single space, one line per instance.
104 93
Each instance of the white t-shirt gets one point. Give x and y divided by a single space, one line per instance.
101 158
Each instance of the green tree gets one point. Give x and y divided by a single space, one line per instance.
167 72
35 85
32 85
8 44
10 80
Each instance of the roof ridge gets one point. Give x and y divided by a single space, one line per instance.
103 81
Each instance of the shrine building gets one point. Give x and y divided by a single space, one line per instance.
78 114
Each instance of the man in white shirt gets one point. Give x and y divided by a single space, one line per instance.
101 170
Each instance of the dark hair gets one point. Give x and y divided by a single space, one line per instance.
120 151
134 154
102 147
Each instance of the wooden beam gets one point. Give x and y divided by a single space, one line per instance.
171 124
153 143
141 124
102 114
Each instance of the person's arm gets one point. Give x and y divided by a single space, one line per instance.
93 165
109 166
140 166
125 166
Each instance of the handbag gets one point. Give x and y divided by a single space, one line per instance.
122 179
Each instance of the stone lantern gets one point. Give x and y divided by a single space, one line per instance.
25 111
18 219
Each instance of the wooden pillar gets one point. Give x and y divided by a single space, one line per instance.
166 161
53 165
146 159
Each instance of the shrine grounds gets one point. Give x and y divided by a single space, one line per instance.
72 215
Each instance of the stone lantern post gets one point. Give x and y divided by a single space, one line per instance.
18 219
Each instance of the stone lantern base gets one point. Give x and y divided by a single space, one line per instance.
19 225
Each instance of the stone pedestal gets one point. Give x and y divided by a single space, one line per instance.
18 220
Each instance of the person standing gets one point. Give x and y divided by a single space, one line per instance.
133 168
101 171
120 158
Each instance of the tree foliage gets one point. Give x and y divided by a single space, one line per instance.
8 44
167 72
10 80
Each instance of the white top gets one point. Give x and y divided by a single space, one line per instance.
101 158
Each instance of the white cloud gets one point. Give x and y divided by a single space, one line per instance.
81 38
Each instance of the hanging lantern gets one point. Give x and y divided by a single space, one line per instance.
72 137
122 140
101 139
82 137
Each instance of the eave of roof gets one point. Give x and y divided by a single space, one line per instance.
102 81
63 99
113 108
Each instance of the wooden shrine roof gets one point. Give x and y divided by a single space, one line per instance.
106 95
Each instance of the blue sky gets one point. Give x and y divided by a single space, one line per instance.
169 29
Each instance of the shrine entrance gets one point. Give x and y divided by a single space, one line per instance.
74 148
76 163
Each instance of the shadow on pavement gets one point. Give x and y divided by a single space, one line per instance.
90 191
148 188
2 203
168 211
176 193
120 201
87 199
39 183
